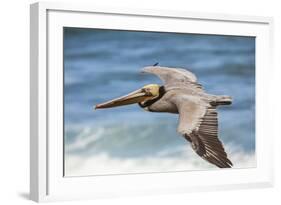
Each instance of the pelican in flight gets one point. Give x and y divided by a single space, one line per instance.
182 94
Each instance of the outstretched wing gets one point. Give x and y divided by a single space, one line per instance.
171 75
198 123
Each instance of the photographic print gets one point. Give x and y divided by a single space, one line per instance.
145 102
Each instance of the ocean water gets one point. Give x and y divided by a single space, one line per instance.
103 64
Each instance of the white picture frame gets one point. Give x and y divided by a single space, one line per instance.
46 155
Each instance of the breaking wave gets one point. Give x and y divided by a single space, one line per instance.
103 164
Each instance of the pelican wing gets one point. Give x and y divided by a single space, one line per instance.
171 75
198 123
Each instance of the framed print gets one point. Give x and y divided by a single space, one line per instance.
130 102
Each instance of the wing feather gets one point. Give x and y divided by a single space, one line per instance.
171 75
199 124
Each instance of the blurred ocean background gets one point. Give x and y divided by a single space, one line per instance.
103 64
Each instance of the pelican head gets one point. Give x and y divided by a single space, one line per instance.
147 92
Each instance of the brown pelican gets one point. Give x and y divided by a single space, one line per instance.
183 95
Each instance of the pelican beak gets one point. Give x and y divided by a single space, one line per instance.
133 97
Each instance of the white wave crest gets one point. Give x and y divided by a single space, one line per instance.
103 164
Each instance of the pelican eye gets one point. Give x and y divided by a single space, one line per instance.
147 91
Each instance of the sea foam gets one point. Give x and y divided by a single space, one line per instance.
103 164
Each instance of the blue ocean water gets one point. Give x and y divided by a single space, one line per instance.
103 64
